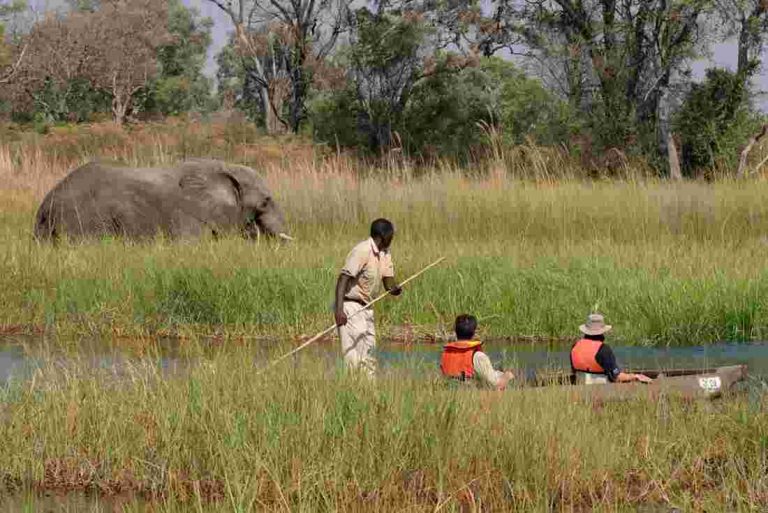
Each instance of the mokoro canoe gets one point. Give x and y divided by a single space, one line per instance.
686 383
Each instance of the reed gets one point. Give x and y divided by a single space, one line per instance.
308 437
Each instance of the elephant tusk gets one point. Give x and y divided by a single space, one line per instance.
285 236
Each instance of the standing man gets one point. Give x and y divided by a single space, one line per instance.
367 265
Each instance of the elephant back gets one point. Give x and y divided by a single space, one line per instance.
96 200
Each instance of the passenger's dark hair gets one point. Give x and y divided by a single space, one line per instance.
465 326
599 338
382 228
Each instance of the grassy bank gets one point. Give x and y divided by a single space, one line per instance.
681 264
303 438
668 263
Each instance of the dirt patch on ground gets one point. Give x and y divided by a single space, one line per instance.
69 475
21 329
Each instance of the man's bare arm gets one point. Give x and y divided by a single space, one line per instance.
625 377
342 285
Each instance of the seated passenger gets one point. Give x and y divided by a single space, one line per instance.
593 361
465 359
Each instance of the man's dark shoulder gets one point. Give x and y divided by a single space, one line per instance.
607 360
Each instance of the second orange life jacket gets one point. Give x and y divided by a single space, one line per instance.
584 356
456 360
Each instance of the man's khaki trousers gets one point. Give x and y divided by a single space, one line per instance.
358 338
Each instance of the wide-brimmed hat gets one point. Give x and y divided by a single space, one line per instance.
595 325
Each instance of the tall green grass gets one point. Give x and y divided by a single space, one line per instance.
666 263
306 437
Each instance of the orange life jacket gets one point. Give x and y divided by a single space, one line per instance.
584 356
456 360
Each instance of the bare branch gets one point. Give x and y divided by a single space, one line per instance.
226 7
8 76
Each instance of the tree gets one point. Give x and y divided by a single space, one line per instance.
385 60
181 85
524 108
714 121
9 63
237 86
445 110
126 36
278 41
616 60
114 49
748 21
56 58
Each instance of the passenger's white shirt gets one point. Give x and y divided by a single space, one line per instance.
484 370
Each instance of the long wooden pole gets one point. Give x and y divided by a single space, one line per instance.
368 305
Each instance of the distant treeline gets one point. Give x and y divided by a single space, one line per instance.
607 80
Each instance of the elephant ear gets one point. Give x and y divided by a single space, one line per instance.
213 196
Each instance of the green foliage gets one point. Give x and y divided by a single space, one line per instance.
386 62
524 108
444 110
83 5
333 115
236 86
181 85
5 51
437 106
385 40
714 121
14 7
7 10
77 101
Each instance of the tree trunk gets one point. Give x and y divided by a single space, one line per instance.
270 124
750 39
269 117
298 93
575 73
119 108
742 171
743 50
673 159
663 123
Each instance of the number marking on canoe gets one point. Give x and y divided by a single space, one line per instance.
710 383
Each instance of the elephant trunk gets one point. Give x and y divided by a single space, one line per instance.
270 223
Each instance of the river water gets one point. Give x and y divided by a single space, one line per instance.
20 356
537 356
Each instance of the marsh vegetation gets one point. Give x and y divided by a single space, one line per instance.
530 253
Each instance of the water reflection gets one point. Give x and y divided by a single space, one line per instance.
72 502
19 357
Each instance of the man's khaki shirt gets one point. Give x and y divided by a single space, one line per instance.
367 266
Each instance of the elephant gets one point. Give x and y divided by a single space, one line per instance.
196 197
